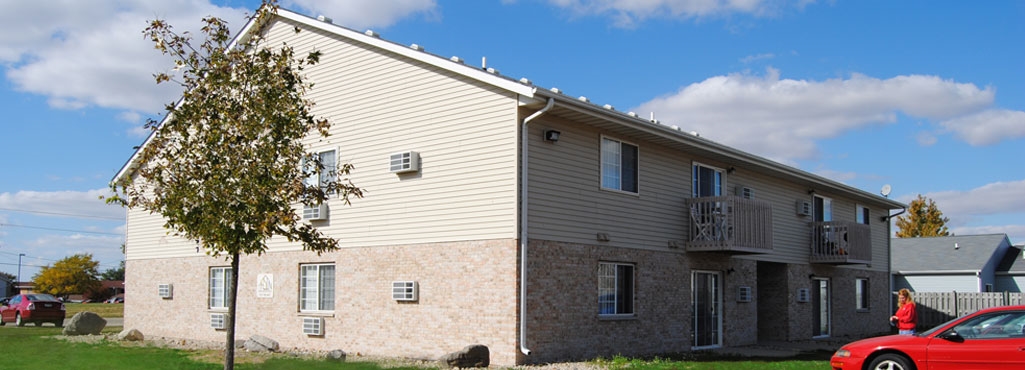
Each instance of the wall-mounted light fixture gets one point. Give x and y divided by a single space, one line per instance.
731 170
552 135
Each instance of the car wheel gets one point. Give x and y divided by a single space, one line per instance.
891 361
17 320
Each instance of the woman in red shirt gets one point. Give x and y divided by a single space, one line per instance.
906 318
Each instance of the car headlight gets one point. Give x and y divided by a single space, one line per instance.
842 353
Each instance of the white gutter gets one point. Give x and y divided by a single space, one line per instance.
524 143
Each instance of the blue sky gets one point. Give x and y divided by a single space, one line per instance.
926 96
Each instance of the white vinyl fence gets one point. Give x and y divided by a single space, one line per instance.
935 308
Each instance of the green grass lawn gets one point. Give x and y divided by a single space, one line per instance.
38 348
102 309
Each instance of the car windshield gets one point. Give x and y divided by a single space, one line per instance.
937 327
40 297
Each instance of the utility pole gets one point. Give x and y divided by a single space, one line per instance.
19 269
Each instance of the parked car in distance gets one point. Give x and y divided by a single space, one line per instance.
992 338
115 300
35 308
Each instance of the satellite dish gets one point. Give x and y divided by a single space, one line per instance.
886 190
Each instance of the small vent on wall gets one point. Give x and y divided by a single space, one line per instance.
315 213
405 291
404 162
744 294
802 295
803 208
313 326
218 321
165 291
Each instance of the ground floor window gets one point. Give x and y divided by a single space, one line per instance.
861 293
615 288
317 287
220 286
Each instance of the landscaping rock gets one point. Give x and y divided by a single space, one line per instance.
130 335
259 343
475 355
85 323
336 355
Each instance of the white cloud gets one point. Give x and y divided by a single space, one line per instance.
782 118
360 14
84 203
85 53
988 127
990 199
627 13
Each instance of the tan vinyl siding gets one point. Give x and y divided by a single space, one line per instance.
567 203
380 104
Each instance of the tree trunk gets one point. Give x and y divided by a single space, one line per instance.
229 343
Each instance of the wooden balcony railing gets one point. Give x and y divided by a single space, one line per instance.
839 242
729 224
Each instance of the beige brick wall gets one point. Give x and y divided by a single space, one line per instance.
467 295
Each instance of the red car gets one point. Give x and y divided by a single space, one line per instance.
992 338
37 308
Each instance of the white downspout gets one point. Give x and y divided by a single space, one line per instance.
523 225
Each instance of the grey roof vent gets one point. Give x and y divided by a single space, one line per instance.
583 99
632 114
525 81
609 107
371 33
456 59
416 47
324 19
492 71
556 90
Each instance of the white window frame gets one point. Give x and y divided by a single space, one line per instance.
318 290
330 172
862 214
612 165
862 294
219 287
617 286
694 179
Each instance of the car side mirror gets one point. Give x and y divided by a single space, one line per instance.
952 336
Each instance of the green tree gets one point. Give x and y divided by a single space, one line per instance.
71 275
226 166
114 273
923 218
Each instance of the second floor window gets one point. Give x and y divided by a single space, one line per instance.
328 174
618 165
707 181
862 215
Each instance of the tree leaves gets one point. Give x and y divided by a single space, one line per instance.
922 219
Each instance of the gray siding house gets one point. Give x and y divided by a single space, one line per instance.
968 263
544 226
1010 275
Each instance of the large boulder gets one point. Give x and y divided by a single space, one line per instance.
130 335
259 343
475 355
85 323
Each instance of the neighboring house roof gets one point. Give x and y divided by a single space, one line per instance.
1013 262
946 254
579 109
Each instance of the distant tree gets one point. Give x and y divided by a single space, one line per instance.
71 275
114 273
923 218
227 166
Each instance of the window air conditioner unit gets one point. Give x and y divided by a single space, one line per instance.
218 321
744 294
315 213
405 291
745 192
313 325
803 295
165 291
404 162
803 208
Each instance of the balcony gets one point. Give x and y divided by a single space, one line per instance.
840 243
729 224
